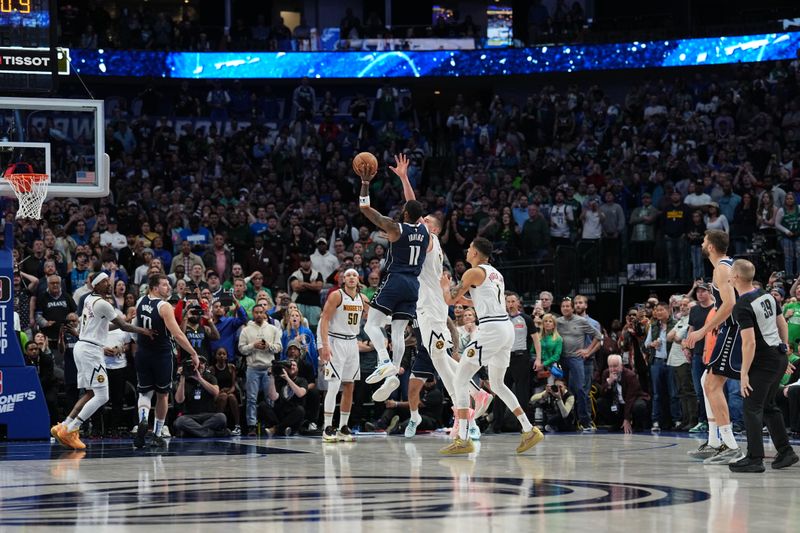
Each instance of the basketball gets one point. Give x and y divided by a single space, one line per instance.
365 165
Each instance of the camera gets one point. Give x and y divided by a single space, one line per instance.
194 311
554 388
279 366
188 368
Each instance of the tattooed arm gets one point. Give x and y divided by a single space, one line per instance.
388 225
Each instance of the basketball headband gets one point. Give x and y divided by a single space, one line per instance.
98 278
353 270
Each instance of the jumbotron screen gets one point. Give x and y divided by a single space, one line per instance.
27 38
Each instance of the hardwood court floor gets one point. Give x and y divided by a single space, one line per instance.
601 482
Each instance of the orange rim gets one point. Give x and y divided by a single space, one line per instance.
22 182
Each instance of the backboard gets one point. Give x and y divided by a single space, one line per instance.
60 137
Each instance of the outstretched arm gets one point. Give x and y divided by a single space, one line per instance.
388 225
130 328
402 172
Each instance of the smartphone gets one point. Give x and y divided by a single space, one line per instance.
226 299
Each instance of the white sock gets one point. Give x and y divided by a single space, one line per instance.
415 416
726 432
67 420
526 424
463 426
328 420
157 427
75 424
713 435
344 418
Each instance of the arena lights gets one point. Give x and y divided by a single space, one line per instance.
440 63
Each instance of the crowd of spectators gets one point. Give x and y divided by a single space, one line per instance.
250 203
97 26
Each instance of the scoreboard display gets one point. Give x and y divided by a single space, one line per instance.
28 61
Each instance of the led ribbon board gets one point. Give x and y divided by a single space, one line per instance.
440 63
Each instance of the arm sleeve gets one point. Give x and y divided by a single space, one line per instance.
567 406
539 396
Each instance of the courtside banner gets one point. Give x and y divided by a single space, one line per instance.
23 410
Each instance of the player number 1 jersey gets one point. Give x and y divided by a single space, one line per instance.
489 297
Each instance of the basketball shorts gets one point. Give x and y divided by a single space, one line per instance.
396 296
91 365
421 366
345 363
154 371
726 357
492 344
433 331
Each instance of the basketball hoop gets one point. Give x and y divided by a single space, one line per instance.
30 190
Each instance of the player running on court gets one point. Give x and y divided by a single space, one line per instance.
338 350
491 346
432 314
726 357
96 316
154 356
396 296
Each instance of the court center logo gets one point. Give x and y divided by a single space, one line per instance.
315 499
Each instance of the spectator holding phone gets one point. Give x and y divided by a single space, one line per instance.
227 326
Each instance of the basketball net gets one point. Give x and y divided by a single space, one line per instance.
30 190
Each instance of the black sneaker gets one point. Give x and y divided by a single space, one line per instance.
329 434
251 431
345 435
158 442
748 464
784 460
141 432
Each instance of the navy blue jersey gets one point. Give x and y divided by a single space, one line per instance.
147 317
730 321
407 253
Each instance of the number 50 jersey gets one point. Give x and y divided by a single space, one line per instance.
407 254
346 321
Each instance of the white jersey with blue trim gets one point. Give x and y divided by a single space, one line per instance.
95 318
489 297
431 299
346 320
730 321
